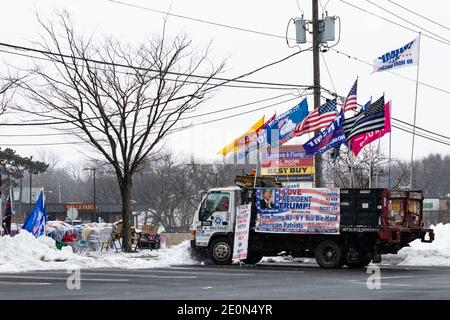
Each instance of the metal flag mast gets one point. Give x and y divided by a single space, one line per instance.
390 146
415 113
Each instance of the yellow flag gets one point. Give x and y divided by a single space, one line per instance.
233 146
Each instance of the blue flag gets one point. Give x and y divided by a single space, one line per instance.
37 219
287 122
332 137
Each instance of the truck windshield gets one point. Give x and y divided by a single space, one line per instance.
215 201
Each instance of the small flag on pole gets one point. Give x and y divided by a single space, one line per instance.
369 120
405 56
288 121
317 119
350 103
35 223
332 137
233 146
360 141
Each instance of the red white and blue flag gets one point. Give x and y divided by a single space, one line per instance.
317 119
350 103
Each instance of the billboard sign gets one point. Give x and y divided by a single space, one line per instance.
290 160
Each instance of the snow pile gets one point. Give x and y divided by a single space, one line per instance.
420 253
24 252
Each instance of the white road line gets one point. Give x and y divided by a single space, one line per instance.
386 284
138 275
405 277
63 278
121 273
25 283
243 271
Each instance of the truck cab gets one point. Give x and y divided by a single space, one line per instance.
215 219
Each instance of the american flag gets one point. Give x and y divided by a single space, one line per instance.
368 120
317 119
350 103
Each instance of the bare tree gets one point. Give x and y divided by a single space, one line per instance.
120 100
366 170
7 90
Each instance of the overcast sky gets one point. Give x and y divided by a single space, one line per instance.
363 36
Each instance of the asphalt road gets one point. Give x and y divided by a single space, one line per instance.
263 281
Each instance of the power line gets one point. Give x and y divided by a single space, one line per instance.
398 120
421 135
393 22
185 118
406 20
328 71
41 144
173 130
432 132
199 20
283 37
263 87
392 72
419 15
114 64
399 127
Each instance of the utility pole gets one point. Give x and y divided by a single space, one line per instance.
316 75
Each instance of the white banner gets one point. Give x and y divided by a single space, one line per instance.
408 55
241 232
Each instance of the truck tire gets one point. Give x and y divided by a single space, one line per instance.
220 251
253 258
329 255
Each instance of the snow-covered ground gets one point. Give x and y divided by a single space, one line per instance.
23 252
420 253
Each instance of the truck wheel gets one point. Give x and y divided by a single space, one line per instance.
253 258
329 255
220 251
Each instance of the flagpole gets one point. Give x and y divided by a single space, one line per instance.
390 145
376 168
257 163
350 158
415 113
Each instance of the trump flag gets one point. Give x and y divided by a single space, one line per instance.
332 137
405 56
358 142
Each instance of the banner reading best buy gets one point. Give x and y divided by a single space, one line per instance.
281 171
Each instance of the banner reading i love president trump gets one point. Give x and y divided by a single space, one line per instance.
300 211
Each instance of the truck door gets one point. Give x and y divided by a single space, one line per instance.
214 216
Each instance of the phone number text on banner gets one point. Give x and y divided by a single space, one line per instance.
302 211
